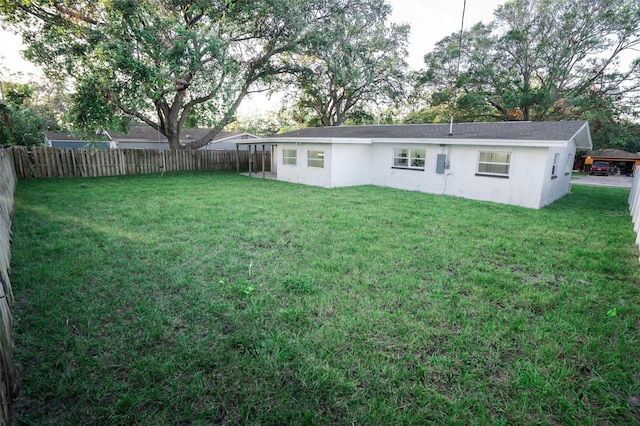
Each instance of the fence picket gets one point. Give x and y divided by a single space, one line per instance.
8 375
87 162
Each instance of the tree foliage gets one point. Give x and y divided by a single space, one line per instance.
354 66
539 60
158 60
258 125
25 113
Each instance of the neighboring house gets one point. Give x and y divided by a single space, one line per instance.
226 141
526 164
623 161
69 140
144 137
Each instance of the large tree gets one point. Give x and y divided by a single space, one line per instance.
25 112
157 60
539 59
355 65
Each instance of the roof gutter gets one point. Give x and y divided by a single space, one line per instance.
421 141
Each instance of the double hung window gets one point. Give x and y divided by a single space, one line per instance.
494 163
289 156
554 167
409 158
315 158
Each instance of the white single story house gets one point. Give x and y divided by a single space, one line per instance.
525 164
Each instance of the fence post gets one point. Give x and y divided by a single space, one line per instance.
8 376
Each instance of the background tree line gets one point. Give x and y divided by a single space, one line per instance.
541 60
178 63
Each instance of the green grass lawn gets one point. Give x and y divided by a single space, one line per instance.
211 298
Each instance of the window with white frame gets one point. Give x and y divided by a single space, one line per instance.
554 167
409 158
315 158
289 156
494 163
567 170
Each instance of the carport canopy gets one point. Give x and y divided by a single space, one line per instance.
613 155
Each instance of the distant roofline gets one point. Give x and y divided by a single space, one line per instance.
612 154
109 135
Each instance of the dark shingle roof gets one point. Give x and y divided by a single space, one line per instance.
512 130
146 133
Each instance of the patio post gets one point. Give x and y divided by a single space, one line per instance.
237 158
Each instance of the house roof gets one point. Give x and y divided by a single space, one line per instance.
70 137
614 154
536 133
144 133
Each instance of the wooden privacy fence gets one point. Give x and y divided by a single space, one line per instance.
8 381
634 204
68 162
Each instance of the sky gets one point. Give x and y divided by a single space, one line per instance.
430 20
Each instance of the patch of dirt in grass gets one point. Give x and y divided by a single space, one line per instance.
585 371
634 406
551 281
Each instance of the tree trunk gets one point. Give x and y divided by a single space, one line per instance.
174 140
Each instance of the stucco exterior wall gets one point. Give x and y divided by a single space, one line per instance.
76 144
275 156
522 187
351 164
301 172
160 145
528 184
557 184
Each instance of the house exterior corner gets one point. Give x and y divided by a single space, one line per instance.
557 173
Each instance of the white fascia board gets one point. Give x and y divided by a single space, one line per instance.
232 137
214 141
275 141
476 142
352 141
405 141
583 138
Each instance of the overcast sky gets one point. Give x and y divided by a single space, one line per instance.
430 20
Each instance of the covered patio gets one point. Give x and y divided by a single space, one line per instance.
258 156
